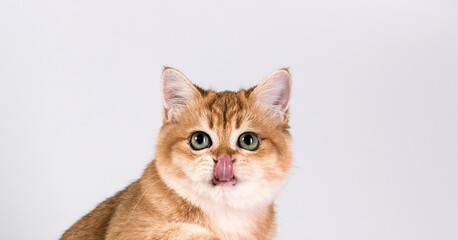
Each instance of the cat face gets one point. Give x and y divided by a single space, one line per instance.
225 148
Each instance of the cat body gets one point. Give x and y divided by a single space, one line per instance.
221 158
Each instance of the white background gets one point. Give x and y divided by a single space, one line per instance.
374 110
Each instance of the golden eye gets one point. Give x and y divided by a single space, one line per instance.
200 140
248 141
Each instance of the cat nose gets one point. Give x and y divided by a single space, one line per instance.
223 158
223 169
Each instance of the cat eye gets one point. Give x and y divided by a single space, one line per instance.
200 140
248 141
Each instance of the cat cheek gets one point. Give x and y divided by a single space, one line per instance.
202 168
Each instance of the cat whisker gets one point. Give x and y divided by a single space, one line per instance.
178 182
152 176
151 185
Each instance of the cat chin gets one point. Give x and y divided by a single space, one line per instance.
230 183
244 195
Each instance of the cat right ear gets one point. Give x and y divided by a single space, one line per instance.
177 93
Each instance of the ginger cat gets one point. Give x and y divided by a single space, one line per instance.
221 159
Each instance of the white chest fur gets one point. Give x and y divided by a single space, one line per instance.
232 224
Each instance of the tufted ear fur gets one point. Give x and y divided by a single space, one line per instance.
177 93
274 93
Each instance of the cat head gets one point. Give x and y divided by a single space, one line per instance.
225 148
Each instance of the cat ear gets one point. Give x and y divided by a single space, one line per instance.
177 92
274 93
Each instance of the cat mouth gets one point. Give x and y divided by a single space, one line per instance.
230 182
223 174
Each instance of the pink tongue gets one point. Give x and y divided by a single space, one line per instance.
223 169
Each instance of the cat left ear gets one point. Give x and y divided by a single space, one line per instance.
274 93
177 92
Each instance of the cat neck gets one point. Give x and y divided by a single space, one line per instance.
226 221
239 223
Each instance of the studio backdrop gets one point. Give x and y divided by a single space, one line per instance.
373 114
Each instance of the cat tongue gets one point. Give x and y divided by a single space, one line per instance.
223 169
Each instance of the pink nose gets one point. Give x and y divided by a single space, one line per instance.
223 169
